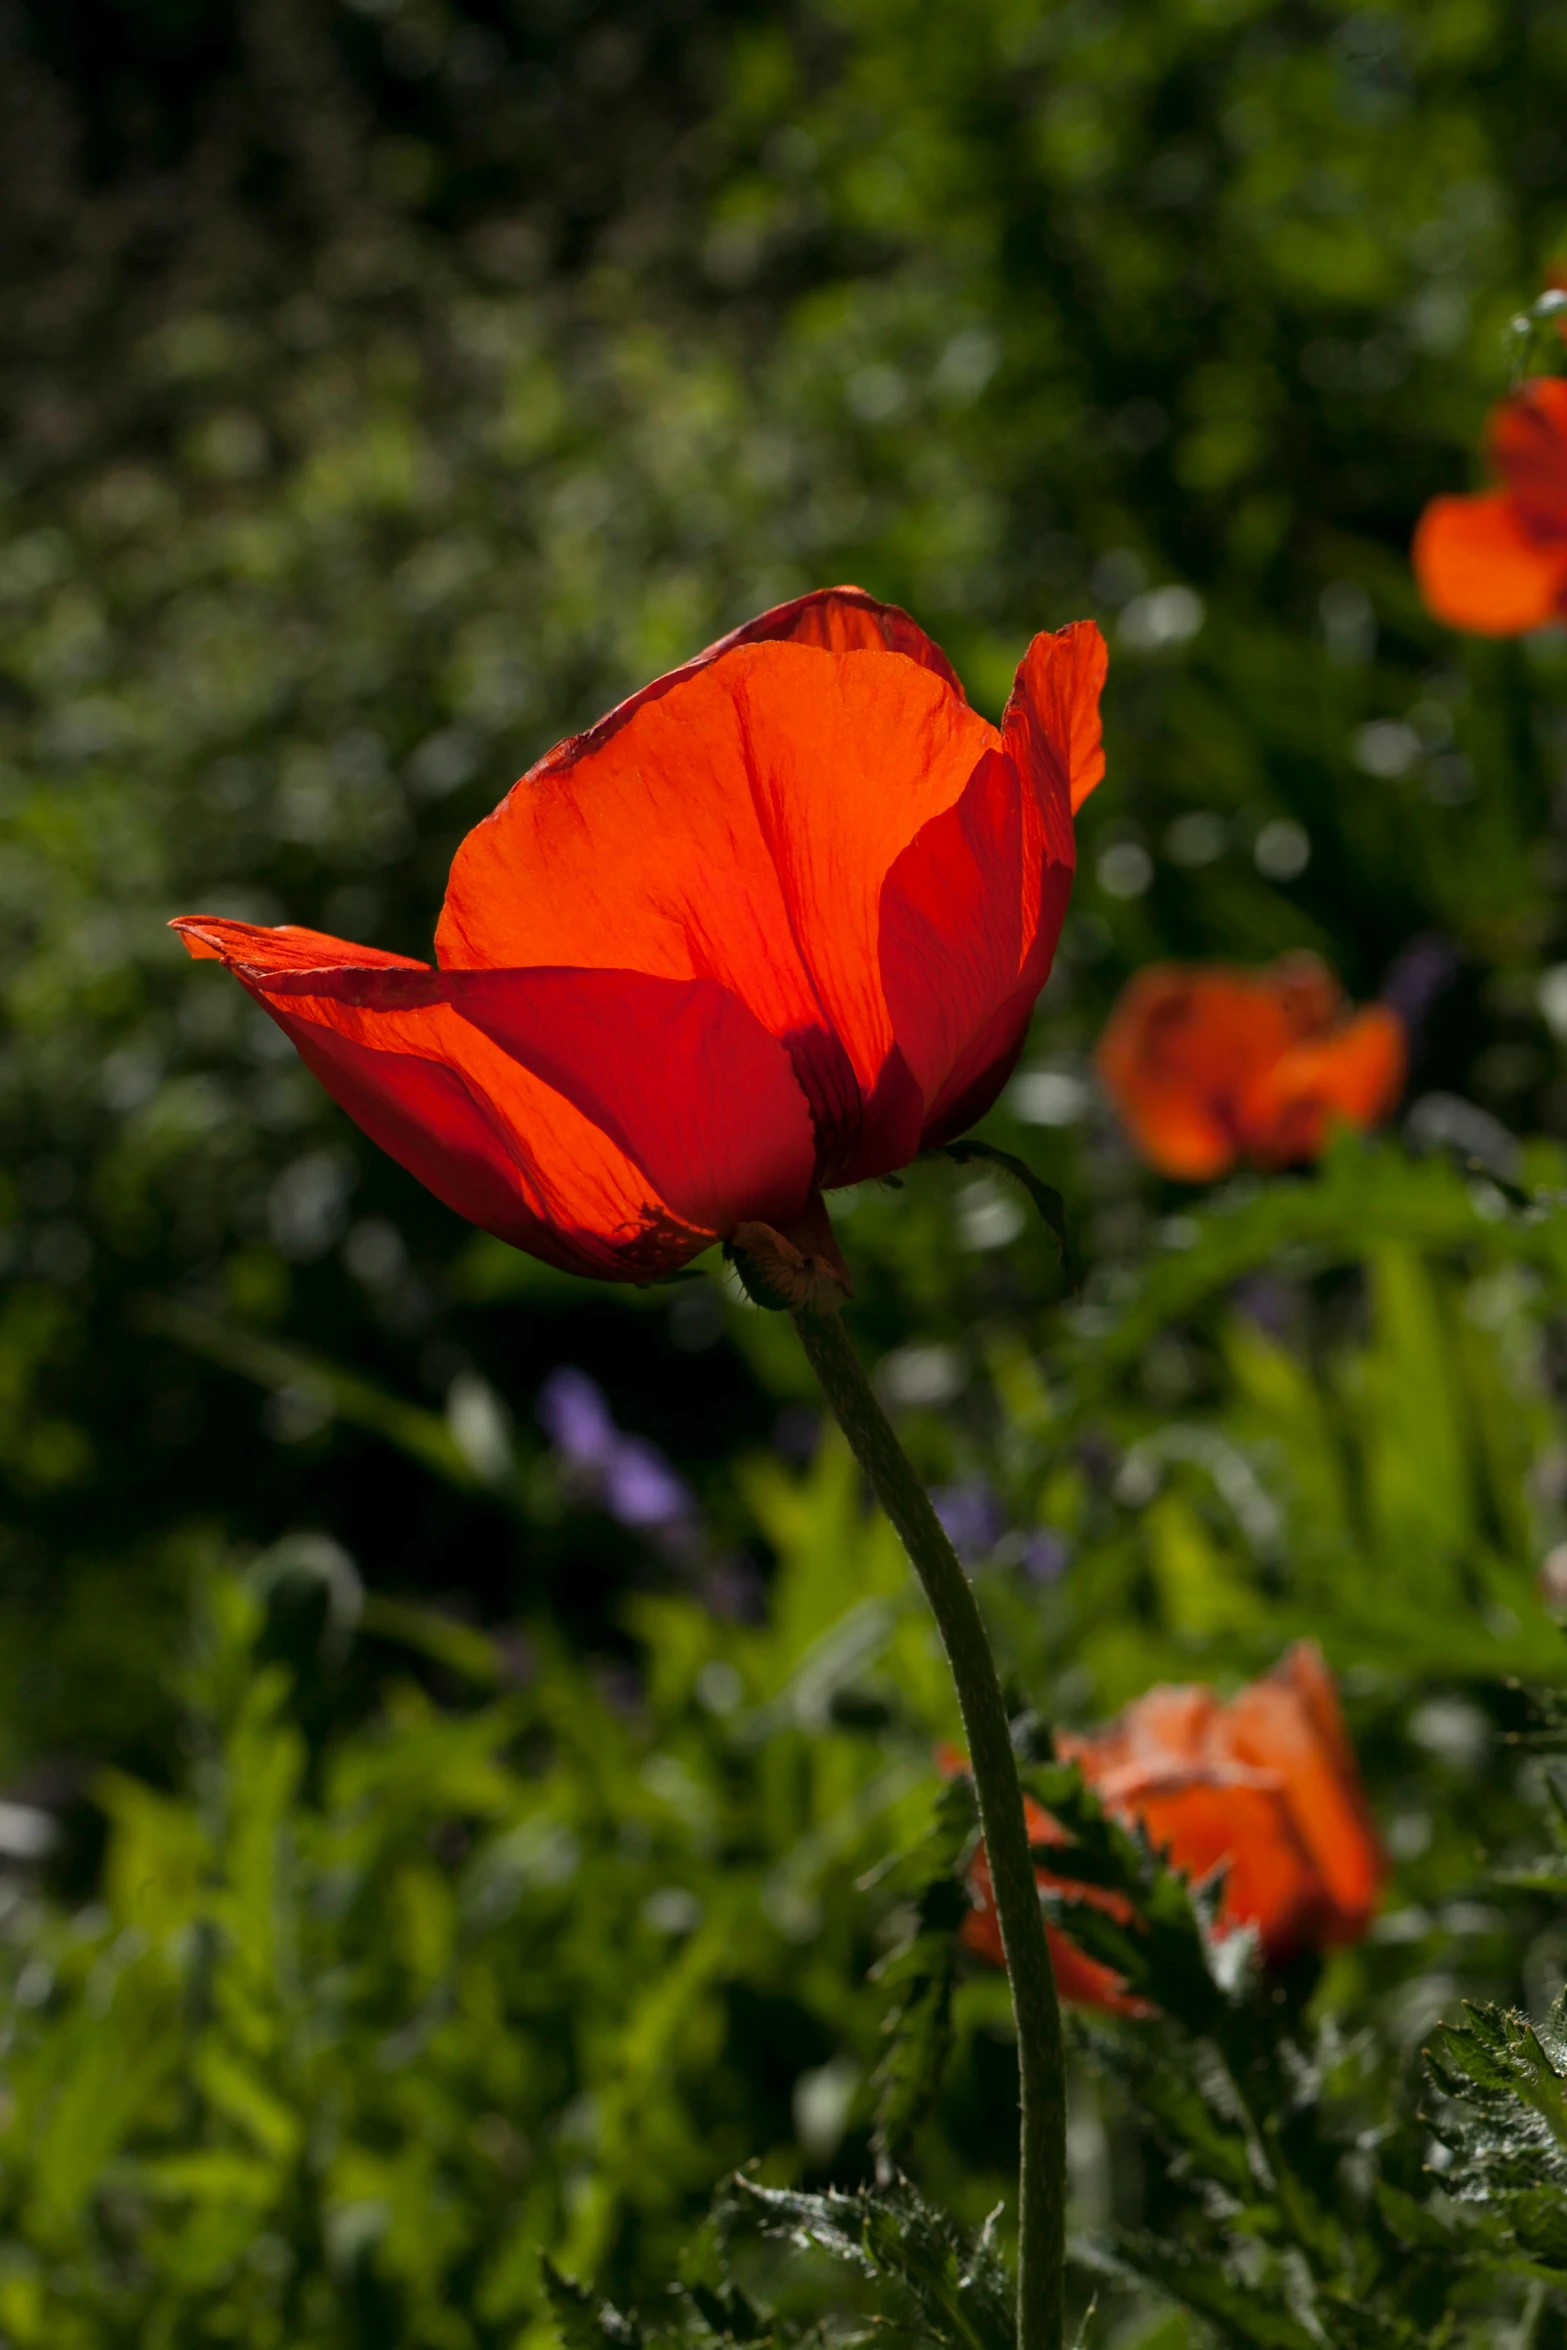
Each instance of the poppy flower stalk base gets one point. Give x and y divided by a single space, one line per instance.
1041 2072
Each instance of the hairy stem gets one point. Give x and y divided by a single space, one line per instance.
1042 2166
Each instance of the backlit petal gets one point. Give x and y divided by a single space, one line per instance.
1305 991
737 827
487 1136
837 620
1480 569
973 908
1051 721
289 946
676 1072
842 620
1079 1979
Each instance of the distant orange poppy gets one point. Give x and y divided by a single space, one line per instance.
775 923
1265 1786
1209 1067
1496 563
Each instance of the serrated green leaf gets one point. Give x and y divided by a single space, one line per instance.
951 2289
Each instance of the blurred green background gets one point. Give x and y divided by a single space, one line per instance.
386 389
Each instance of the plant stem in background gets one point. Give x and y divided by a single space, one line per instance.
1041 2073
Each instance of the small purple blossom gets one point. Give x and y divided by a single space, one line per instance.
972 1517
641 1489
577 1419
626 1475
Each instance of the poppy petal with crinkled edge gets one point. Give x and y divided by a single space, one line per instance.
837 620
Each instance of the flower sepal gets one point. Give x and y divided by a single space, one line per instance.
798 1268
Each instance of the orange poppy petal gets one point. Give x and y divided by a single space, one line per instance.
1249 1831
973 908
677 1072
738 827
1176 1054
1305 991
842 620
424 1115
1079 1979
1355 1074
1208 1065
289 946
1051 722
1480 569
836 620
969 920
488 1137
1291 1722
1527 441
1086 1982
1168 1725
1265 1787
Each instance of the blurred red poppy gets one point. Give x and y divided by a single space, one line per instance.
1496 563
775 923
1209 1066
1265 1786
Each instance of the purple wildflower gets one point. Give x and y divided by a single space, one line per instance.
625 1475
972 1516
577 1419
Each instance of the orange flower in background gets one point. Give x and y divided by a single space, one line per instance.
1265 1785
775 923
1496 563
1209 1066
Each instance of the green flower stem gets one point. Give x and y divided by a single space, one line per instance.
1042 2079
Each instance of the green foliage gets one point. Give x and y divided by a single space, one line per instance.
356 2029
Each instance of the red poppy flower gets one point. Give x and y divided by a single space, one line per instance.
1209 1066
1497 563
775 923
1265 1786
